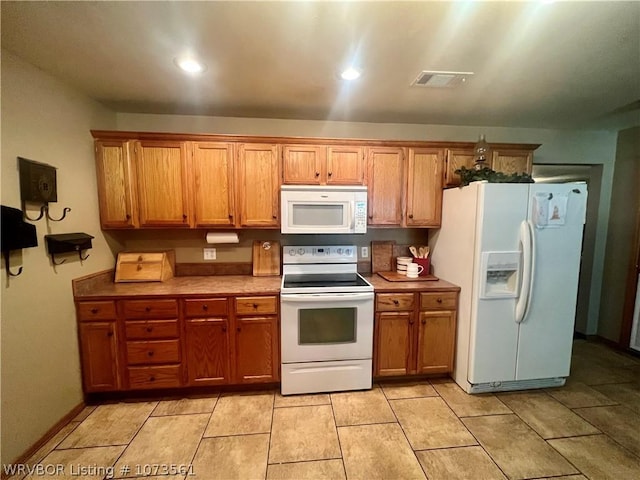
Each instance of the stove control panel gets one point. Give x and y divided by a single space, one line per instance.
320 254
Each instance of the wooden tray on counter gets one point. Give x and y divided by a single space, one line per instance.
396 277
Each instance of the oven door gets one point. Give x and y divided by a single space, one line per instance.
326 326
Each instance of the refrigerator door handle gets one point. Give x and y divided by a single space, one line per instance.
527 240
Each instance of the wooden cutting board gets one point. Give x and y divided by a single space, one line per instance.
266 258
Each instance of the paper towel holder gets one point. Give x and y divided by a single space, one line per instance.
221 237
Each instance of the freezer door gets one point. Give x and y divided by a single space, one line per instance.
557 213
493 344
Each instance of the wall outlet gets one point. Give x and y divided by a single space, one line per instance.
364 252
209 253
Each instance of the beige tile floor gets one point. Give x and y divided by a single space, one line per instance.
429 429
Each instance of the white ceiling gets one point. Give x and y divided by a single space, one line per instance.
536 64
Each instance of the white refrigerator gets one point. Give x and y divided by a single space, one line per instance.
514 249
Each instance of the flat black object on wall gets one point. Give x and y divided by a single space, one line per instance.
37 182
16 234
68 242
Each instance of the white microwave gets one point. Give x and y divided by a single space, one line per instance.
320 209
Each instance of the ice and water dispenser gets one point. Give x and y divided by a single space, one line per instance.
500 274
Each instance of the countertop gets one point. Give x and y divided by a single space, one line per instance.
101 285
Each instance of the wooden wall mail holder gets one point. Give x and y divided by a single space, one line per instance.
145 266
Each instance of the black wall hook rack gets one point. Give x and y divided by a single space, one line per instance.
16 235
68 242
7 267
44 211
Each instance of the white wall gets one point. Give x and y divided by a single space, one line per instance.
557 146
46 121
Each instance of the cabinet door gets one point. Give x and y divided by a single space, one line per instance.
386 185
207 346
213 184
303 164
392 351
424 192
99 356
457 158
345 165
512 161
259 185
257 358
116 184
162 184
436 337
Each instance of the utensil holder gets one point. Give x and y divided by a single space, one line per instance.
425 262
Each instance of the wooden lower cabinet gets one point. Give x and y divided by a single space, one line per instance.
135 344
414 333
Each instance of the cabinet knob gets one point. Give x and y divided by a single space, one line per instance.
238 329
439 300
140 258
330 173
127 216
205 307
139 267
109 334
396 302
370 217
149 329
255 306
411 215
152 378
150 353
94 310
411 322
230 216
147 309
184 217
317 174
424 321
274 216
224 328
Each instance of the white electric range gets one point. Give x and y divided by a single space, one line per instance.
326 321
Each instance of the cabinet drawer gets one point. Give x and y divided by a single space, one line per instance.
390 302
158 351
210 307
150 309
152 329
439 301
97 310
252 305
141 257
166 376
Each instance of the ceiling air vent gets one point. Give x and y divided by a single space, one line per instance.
440 79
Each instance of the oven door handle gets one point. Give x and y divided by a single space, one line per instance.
334 297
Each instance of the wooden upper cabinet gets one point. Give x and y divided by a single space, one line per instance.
345 165
258 185
386 184
456 158
322 165
303 164
512 161
213 184
424 187
116 184
163 188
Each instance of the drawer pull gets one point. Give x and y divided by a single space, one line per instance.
149 329
238 329
205 307
224 328
411 322
439 300
152 378
139 267
109 334
94 310
330 174
317 174
396 302
150 353
424 321
255 306
147 309
140 258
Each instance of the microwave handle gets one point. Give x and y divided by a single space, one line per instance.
334 297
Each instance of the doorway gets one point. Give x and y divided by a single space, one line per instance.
592 175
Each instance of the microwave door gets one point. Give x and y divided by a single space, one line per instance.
318 217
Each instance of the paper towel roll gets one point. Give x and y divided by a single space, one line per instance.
226 237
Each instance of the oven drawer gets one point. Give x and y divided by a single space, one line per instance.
157 351
256 305
391 302
438 301
165 376
151 329
208 307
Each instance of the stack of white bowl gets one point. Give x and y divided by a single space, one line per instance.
401 264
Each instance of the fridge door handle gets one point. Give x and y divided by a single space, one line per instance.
527 240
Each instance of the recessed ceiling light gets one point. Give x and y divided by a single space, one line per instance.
350 73
190 65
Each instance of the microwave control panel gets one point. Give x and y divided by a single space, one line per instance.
360 221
